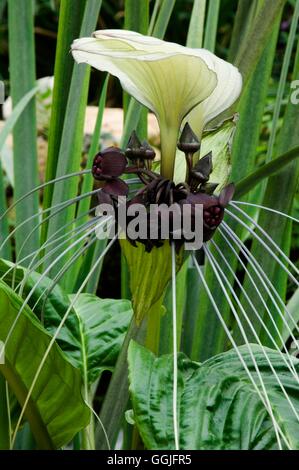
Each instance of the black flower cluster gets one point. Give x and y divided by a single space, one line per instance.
110 164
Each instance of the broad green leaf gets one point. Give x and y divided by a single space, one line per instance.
103 324
218 406
56 410
94 329
48 305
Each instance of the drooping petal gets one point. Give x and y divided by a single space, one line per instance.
116 187
167 78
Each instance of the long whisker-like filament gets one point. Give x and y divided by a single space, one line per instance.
47 291
43 275
267 209
53 241
41 186
50 241
101 424
264 245
289 364
263 396
285 257
175 349
264 279
53 339
219 273
76 231
61 205
64 269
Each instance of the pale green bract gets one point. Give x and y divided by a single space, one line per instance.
219 142
169 79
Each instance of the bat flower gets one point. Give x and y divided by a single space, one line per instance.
108 166
169 79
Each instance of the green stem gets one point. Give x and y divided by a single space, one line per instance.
117 396
169 136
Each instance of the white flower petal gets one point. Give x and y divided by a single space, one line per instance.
228 89
167 78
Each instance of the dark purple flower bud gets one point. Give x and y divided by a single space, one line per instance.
204 167
188 142
134 149
108 164
208 188
148 151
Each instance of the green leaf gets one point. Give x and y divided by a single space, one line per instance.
81 267
22 81
94 329
244 15
293 309
269 169
56 410
4 228
71 143
196 25
218 406
103 324
15 115
278 228
70 17
209 338
211 25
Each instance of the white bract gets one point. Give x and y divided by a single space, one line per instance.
169 79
